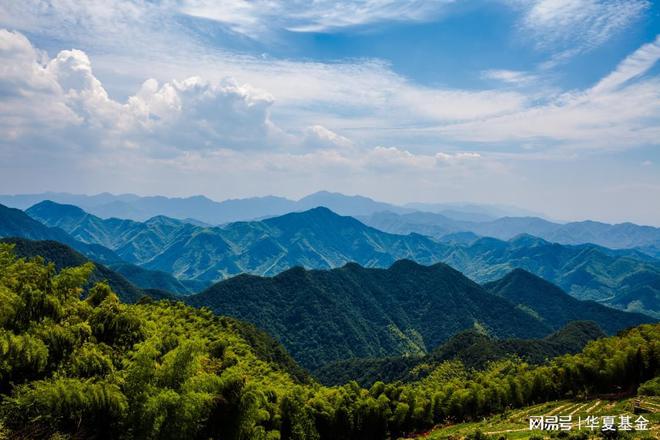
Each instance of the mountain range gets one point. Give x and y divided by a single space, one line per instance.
432 219
321 239
322 316
618 236
17 226
210 212
317 238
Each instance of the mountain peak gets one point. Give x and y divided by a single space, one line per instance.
48 210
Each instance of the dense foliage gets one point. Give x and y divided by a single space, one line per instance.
98 368
324 316
474 348
555 307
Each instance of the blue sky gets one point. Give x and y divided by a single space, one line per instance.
551 105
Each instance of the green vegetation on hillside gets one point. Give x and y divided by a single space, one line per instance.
97 368
514 424
473 348
324 316
555 307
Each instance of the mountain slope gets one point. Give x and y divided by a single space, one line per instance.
317 238
584 271
16 223
472 347
63 256
555 307
323 316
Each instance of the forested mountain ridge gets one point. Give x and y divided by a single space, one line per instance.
584 271
64 257
330 315
472 347
317 238
554 306
321 239
97 368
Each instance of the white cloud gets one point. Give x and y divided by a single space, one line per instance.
514 77
317 136
620 111
254 17
574 26
633 66
64 96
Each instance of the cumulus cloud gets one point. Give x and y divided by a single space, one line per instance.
63 95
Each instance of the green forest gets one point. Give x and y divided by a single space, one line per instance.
76 362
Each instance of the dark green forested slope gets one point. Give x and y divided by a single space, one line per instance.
97 368
323 316
473 348
555 307
355 312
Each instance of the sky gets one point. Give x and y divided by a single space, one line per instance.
549 105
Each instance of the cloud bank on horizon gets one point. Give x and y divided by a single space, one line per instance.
553 105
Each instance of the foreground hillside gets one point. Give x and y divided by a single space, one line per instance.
97 368
515 424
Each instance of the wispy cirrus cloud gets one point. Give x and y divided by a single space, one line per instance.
621 111
632 67
569 27
255 17
512 77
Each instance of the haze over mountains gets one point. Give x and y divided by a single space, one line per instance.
321 239
436 220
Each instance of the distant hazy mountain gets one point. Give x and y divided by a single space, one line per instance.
321 239
472 211
324 316
199 209
619 236
202 209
